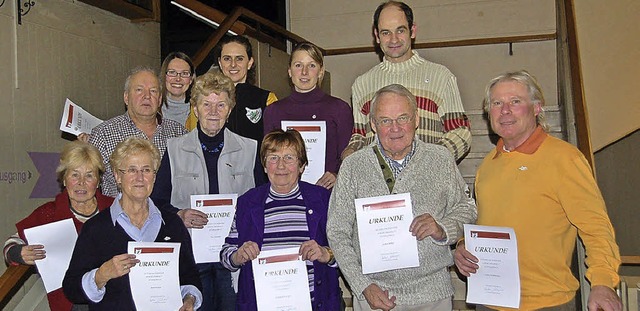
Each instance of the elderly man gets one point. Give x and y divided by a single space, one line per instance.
441 116
142 97
397 162
543 188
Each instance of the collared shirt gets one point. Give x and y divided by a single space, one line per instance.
147 233
528 147
109 133
397 166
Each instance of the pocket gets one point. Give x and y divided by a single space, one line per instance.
184 184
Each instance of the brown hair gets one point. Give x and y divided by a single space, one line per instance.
279 139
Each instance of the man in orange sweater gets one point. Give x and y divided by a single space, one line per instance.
543 188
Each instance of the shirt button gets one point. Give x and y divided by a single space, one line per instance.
310 212
313 116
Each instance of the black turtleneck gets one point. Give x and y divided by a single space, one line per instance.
211 148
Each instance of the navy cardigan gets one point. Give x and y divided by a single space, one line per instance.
100 240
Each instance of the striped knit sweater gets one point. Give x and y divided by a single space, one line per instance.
442 117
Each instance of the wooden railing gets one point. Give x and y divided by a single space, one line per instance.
231 22
11 280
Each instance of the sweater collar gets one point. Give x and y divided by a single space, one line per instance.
309 97
412 62
208 140
529 146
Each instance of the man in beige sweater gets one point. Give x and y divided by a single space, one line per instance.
441 116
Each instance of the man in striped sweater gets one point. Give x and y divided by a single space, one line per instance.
442 119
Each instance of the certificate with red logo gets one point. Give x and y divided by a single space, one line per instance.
281 281
497 281
383 230
154 281
220 210
76 120
314 134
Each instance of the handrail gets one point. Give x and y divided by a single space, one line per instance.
453 43
231 22
11 280
630 260
577 89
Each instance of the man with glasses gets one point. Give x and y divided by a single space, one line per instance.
440 116
397 162
142 98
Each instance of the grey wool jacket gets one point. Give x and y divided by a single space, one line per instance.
436 187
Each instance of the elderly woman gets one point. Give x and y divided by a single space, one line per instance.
285 212
176 75
208 160
308 102
99 268
79 172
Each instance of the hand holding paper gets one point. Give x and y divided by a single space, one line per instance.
312 251
31 253
116 267
425 225
465 261
247 252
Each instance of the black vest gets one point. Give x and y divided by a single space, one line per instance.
246 117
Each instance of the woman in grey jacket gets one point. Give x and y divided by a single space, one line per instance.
209 160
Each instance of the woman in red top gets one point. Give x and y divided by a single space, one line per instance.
79 172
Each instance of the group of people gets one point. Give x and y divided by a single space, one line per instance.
404 132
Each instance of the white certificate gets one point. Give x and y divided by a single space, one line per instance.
314 134
154 281
281 281
220 209
383 229
497 281
58 239
76 120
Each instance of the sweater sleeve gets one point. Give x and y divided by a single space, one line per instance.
581 199
461 207
360 119
341 219
457 133
345 127
162 188
270 119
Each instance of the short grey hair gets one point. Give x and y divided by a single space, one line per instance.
395 89
136 70
533 88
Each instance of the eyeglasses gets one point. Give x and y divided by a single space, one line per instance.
133 171
172 73
388 122
287 158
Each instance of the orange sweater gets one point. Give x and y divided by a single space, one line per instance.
545 191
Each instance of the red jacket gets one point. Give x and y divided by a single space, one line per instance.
49 212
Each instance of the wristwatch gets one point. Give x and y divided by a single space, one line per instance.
332 258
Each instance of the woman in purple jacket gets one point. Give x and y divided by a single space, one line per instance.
285 212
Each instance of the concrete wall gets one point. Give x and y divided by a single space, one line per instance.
63 48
